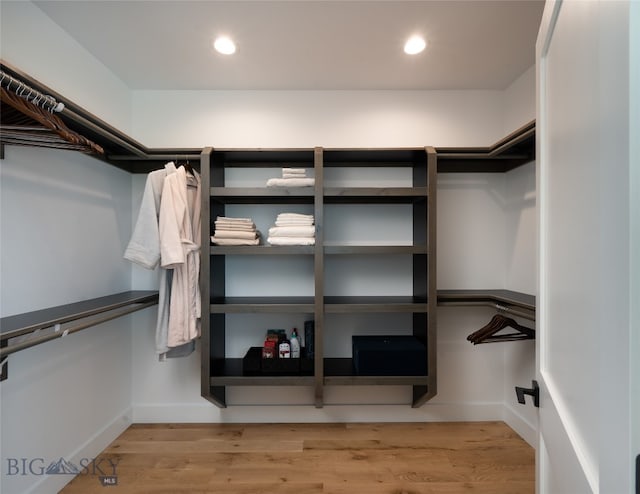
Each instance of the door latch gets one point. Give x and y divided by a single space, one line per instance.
533 391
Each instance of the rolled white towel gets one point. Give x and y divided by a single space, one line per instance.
291 240
292 231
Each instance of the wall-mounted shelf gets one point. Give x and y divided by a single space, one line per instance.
88 313
122 151
516 303
516 149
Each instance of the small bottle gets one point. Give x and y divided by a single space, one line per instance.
295 344
284 348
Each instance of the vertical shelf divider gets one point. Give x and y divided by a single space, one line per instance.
422 394
318 204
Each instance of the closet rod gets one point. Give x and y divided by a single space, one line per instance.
494 305
31 342
169 157
30 94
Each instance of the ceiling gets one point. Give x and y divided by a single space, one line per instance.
305 44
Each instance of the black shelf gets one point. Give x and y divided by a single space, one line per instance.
500 296
375 249
406 304
516 149
229 372
374 195
262 250
12 326
231 305
262 195
340 371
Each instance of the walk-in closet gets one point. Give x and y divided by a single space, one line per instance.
311 262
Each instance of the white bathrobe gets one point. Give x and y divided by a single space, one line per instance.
144 248
179 230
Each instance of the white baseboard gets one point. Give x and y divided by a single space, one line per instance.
90 449
526 430
208 413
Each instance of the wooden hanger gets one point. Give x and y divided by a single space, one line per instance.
488 333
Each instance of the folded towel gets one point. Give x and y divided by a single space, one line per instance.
295 216
293 175
234 241
234 220
234 228
292 231
235 234
291 240
291 182
293 223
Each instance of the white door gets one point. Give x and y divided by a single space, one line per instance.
582 58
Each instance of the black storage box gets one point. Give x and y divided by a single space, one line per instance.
251 361
389 356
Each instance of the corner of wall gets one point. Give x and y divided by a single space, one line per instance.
519 101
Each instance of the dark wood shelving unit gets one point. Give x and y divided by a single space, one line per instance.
218 371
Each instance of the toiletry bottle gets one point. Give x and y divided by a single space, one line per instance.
295 344
284 348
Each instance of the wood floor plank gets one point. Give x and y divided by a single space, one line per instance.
204 446
423 458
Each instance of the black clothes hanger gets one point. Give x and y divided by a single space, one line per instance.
185 165
488 333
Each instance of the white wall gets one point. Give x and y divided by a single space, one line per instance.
519 106
31 42
520 255
316 118
64 221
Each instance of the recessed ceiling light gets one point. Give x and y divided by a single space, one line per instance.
224 45
414 45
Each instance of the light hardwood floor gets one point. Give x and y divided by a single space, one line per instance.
389 458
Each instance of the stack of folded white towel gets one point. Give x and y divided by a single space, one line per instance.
293 229
292 177
235 231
